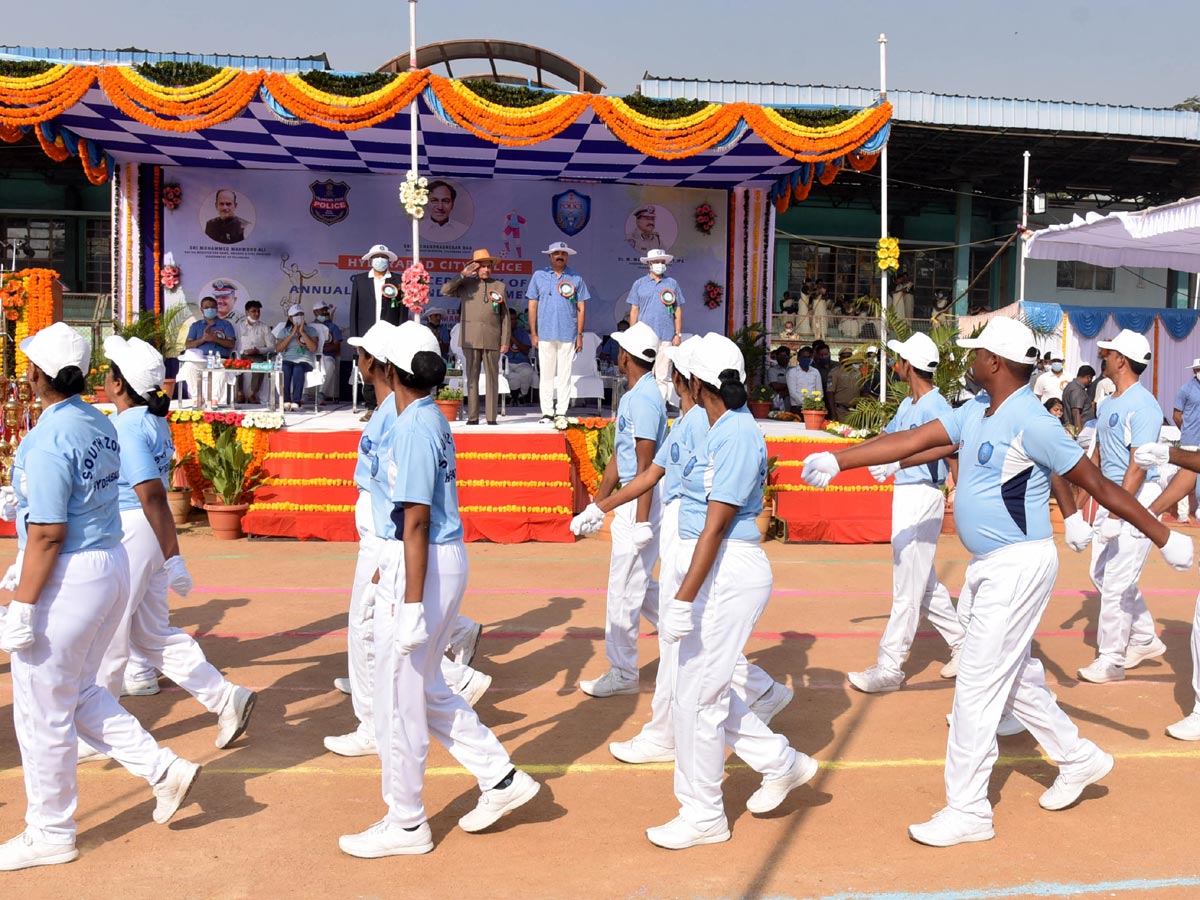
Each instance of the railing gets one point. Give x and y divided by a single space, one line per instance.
834 329
89 314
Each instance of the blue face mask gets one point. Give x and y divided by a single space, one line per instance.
805 363
322 318
210 313
1056 367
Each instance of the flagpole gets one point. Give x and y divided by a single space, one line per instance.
413 130
883 228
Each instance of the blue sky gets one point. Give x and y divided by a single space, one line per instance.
1104 51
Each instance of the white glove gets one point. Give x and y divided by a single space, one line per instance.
820 469
1077 532
411 632
676 621
18 627
1150 455
8 503
641 535
884 472
181 579
588 521
1110 529
1166 472
1178 551
11 578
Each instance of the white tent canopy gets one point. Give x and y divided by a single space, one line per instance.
1164 237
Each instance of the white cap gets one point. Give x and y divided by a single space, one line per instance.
919 351
295 310
142 367
1005 337
380 250
1130 344
375 341
639 340
681 357
54 348
713 355
406 341
559 247
872 349
661 256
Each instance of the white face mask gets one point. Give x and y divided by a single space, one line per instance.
299 320
379 264
658 268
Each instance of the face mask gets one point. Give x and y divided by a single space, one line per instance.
379 264
298 320
805 363
210 314
322 318
1057 367
658 268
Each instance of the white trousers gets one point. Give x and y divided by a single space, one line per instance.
555 360
412 700
56 698
708 715
520 377
662 374
917 512
195 376
1196 655
749 681
1116 568
632 590
1009 589
145 626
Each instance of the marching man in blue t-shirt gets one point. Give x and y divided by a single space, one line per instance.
1012 454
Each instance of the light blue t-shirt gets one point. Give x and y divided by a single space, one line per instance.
424 469
1127 420
369 461
146 451
295 351
684 443
913 415
735 473
1004 466
556 297
66 470
1187 401
641 415
650 297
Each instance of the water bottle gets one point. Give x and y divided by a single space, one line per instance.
208 360
278 362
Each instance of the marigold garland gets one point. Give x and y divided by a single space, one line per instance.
274 505
150 104
546 457
26 298
29 101
299 454
548 510
344 113
309 482
490 483
835 488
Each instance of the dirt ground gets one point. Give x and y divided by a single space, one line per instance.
266 814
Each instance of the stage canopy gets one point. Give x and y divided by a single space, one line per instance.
1161 237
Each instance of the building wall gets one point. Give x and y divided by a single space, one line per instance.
1131 287
68 204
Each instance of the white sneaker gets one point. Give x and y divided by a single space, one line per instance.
876 680
1136 654
352 744
775 790
23 852
610 684
496 802
679 835
1186 729
638 750
1009 725
173 789
463 651
1101 672
476 686
234 715
772 702
147 688
1067 788
950 669
949 827
88 753
382 839
342 684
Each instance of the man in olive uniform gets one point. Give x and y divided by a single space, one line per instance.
484 331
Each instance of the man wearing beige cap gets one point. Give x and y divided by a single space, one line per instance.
484 330
644 234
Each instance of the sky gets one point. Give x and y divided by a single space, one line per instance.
1140 54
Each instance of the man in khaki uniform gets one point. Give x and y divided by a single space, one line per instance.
484 331
845 386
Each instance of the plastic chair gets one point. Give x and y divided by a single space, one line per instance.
586 381
460 362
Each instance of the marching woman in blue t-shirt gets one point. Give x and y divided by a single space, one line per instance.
134 382
72 579
422 578
725 582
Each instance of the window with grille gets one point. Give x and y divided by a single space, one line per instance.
97 256
1073 275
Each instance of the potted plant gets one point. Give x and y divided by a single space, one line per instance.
812 407
179 497
760 402
449 401
96 376
763 519
225 466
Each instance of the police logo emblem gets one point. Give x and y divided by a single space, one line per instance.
622 423
572 211
329 204
691 464
1113 420
674 453
985 452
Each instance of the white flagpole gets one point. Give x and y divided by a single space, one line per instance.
412 128
1024 226
883 228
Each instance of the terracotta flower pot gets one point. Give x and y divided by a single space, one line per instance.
180 502
226 521
763 521
814 419
449 409
168 387
760 409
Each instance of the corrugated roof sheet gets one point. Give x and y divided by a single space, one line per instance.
133 56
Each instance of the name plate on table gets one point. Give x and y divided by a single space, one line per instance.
261 366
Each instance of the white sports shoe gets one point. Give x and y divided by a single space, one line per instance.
1186 729
235 715
476 686
1009 725
352 744
342 684
638 750
679 835
950 669
140 688
610 684
496 802
23 852
463 650
1067 788
1136 654
775 790
770 704
1101 672
173 789
949 827
382 839
876 680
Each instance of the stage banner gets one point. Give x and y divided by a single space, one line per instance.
294 237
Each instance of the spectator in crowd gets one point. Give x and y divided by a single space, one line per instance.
902 297
609 348
1077 399
789 305
297 341
209 335
1104 388
819 309
869 373
850 324
803 377
330 349
804 313
1186 416
845 387
254 343
789 332
436 323
1050 383
781 358
823 363
1054 406
520 370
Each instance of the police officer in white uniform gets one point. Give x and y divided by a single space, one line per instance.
1012 454
72 579
422 579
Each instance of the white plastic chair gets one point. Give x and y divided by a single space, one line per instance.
586 381
460 362
315 378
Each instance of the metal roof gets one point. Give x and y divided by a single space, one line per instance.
538 58
946 109
130 56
